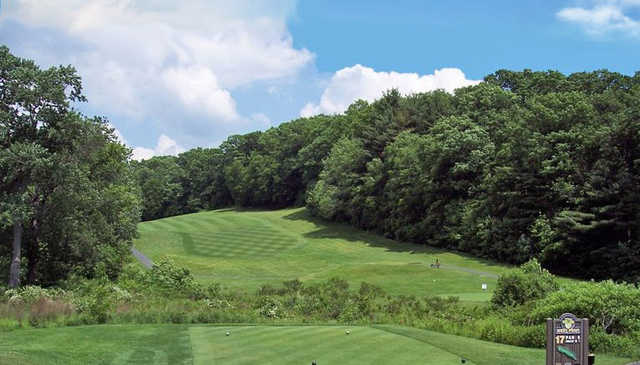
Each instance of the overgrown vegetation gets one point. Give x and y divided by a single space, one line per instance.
169 294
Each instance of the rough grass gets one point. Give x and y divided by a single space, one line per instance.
245 249
180 344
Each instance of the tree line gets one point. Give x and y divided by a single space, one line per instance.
524 165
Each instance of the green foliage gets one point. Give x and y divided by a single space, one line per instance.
66 191
524 165
518 287
610 306
269 307
169 279
126 301
614 344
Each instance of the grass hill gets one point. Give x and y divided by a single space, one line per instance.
198 344
245 249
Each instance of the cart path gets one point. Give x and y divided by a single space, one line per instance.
144 260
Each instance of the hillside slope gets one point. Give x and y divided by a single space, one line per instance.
245 249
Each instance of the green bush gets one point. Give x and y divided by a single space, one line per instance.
611 307
270 307
30 294
351 313
170 279
529 283
600 341
97 303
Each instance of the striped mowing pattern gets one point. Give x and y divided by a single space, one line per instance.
225 236
163 344
301 345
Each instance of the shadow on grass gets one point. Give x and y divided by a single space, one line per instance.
341 231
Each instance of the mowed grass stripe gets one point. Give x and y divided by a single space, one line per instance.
213 250
317 343
239 237
189 222
224 244
197 224
301 345
226 348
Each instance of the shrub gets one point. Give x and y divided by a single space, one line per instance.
270 307
528 283
351 313
171 279
604 342
609 306
31 294
213 290
267 289
293 286
97 304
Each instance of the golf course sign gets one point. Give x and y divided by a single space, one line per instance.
567 340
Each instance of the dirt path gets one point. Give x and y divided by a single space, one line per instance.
144 260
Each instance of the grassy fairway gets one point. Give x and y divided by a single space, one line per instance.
180 344
247 249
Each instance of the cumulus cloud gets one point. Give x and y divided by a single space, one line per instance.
603 17
359 82
165 146
164 60
198 88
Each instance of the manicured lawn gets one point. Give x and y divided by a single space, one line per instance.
485 353
281 345
244 249
302 345
112 344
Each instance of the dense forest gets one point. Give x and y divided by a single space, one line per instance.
524 165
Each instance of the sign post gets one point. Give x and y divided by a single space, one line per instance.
568 340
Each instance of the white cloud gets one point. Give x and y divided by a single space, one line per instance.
360 82
143 58
604 17
165 146
198 89
141 153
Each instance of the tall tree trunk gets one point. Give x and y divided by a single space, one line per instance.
14 273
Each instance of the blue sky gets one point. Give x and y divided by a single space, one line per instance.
174 75
477 36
